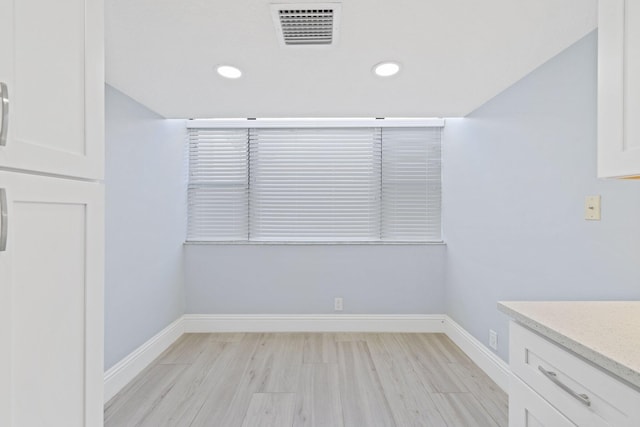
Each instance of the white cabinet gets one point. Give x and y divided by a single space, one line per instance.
619 88
51 61
529 409
51 272
51 299
551 385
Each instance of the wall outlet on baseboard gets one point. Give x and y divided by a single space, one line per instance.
493 339
337 304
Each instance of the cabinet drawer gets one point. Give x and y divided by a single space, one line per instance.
528 409
560 377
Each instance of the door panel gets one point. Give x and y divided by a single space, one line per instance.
48 81
529 409
618 88
56 101
52 274
50 316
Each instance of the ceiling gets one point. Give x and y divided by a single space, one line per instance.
455 55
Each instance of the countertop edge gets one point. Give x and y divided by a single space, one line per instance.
612 367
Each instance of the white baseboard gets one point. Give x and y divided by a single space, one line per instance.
313 323
116 378
124 371
496 368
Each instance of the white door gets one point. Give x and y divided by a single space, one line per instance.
51 64
51 314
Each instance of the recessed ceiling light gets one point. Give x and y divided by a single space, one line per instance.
229 72
386 69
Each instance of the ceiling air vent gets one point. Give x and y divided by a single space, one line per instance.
307 24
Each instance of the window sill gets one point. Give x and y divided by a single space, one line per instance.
356 243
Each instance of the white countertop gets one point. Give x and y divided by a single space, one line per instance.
606 333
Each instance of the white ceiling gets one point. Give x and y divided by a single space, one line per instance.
455 55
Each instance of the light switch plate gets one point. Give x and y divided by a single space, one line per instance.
592 208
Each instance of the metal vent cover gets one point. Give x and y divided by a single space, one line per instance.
306 24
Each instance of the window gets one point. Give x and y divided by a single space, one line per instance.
218 185
324 181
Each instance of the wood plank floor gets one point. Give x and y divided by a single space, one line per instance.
310 380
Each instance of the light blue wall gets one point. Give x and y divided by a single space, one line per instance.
145 223
304 279
516 173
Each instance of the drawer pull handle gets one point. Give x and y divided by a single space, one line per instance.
4 115
582 398
3 220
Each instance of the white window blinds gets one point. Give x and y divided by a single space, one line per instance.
411 201
218 185
315 184
325 184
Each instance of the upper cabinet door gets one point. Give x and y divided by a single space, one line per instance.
619 88
52 72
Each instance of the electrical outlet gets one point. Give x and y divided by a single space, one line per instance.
337 304
592 208
493 339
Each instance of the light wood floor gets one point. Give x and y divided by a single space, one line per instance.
305 380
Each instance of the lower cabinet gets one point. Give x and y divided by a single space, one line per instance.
553 387
529 409
51 302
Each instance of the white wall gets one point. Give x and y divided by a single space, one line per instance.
516 173
304 279
145 224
